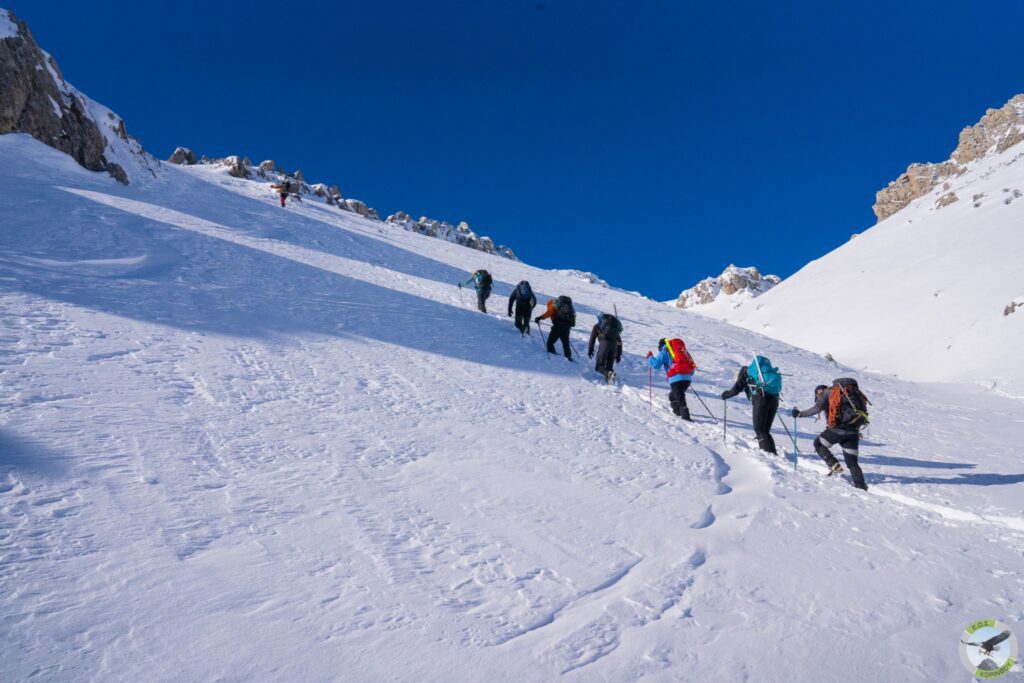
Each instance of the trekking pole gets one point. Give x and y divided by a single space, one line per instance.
574 350
650 386
783 423
725 419
705 406
540 333
795 448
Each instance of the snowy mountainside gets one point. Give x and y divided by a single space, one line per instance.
928 292
246 442
38 101
726 291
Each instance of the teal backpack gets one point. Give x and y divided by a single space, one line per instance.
766 376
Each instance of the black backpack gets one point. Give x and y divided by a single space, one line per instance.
483 279
847 404
609 325
523 291
564 312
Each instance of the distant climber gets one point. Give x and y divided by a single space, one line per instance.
608 332
762 383
679 367
563 319
284 189
846 408
524 300
482 281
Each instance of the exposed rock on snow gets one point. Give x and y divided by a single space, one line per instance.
236 168
946 200
182 156
584 275
267 165
747 282
459 234
998 130
35 99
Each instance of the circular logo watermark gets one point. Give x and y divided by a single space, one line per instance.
988 648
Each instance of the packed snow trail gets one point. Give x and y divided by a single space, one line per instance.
243 442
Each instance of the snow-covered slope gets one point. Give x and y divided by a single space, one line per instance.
240 442
925 293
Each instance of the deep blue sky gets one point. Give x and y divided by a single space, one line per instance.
651 142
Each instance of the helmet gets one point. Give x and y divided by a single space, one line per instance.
818 389
661 343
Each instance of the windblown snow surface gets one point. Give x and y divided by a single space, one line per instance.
922 294
240 442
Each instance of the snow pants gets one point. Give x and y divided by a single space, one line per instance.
524 311
849 442
677 398
283 198
560 332
481 298
604 361
765 406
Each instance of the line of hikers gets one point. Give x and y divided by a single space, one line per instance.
843 403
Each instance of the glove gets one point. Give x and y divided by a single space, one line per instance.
618 358
537 320
590 354
649 354
725 395
460 285
510 314
795 412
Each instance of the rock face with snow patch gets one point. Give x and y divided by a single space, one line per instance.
998 130
747 282
459 234
182 156
35 99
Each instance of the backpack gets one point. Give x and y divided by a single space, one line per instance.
682 361
523 291
609 325
564 312
766 376
847 404
482 278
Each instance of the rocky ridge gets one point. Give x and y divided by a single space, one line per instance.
997 131
744 282
36 100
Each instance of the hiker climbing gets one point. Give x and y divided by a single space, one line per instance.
284 189
563 319
845 405
762 383
608 332
482 281
524 300
679 367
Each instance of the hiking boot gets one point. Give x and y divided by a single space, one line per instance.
861 485
835 468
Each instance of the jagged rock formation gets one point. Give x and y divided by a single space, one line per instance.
998 130
182 156
35 99
459 234
745 281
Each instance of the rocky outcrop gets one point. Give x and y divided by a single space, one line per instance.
182 156
267 165
35 99
459 234
998 130
236 167
745 282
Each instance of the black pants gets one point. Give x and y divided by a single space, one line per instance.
677 398
850 443
765 406
524 311
604 361
481 298
560 332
